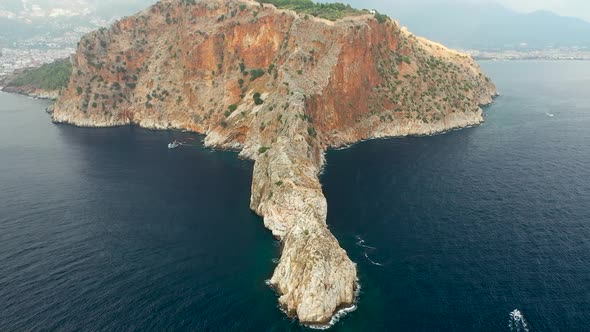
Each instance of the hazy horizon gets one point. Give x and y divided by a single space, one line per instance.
572 8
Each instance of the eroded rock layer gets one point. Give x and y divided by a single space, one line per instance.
280 88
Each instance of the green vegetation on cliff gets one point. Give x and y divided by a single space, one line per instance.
329 11
51 76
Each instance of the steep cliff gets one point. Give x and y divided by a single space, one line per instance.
281 88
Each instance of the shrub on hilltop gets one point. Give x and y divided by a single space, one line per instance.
329 11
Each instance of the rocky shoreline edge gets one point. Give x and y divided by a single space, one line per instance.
35 93
281 88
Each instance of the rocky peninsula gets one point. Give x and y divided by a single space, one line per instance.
280 87
43 82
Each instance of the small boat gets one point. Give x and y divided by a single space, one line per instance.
550 115
174 145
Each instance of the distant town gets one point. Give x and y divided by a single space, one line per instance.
548 54
57 42
12 59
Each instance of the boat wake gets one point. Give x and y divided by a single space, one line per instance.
175 144
517 323
360 242
372 261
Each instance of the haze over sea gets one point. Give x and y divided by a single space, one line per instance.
486 228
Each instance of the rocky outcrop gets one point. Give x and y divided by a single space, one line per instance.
32 91
44 82
281 88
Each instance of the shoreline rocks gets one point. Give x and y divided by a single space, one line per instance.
281 89
32 92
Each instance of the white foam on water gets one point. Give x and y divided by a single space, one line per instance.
339 314
365 246
276 260
372 261
517 323
361 243
335 318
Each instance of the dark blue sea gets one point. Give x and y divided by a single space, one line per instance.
481 229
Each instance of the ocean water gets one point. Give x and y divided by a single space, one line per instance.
485 229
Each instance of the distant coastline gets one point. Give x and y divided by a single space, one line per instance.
516 55
43 82
33 93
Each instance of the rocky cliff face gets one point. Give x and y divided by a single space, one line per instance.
280 88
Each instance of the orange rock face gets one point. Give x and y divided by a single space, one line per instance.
280 88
